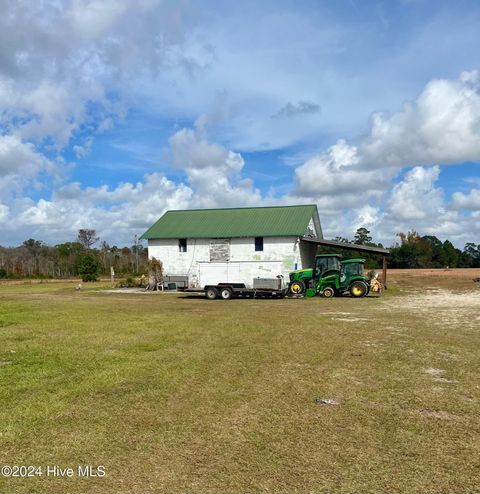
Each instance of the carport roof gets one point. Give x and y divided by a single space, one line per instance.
347 246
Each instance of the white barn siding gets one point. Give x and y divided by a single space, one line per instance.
280 255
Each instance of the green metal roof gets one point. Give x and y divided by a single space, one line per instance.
235 222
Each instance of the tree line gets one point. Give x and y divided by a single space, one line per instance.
35 259
414 251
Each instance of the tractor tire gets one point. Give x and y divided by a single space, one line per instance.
358 289
297 287
211 293
226 294
328 292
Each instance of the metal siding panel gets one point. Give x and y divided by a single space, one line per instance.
237 272
234 271
213 274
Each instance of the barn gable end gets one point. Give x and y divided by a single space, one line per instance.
232 245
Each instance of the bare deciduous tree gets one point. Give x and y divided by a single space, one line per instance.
87 237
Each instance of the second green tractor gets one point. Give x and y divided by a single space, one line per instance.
331 276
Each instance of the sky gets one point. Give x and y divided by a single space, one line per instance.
114 111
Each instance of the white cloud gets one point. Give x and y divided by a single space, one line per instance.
213 179
418 203
19 157
68 72
192 151
95 18
415 197
73 66
213 171
344 222
83 150
470 201
117 214
52 111
441 127
338 171
366 216
21 165
4 211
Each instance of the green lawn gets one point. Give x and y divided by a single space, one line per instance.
175 394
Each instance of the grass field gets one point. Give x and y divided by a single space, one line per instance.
177 394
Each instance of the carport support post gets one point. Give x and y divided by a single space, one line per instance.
384 271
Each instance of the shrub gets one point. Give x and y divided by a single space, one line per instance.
3 273
88 268
155 273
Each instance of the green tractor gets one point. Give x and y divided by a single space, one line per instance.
330 277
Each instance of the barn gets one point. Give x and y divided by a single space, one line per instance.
209 246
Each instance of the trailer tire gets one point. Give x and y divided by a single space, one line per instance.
226 294
211 293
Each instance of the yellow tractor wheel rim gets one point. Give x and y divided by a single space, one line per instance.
357 290
296 288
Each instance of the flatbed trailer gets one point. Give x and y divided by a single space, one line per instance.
226 291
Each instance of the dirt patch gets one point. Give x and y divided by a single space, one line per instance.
445 309
372 343
438 376
444 380
439 298
434 372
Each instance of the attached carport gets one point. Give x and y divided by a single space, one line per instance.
308 247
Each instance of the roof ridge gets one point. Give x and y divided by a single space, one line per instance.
243 207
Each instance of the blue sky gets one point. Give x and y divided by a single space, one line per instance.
112 112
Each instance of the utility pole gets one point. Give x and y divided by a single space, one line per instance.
136 252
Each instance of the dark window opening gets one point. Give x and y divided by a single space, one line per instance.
182 245
258 243
353 269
